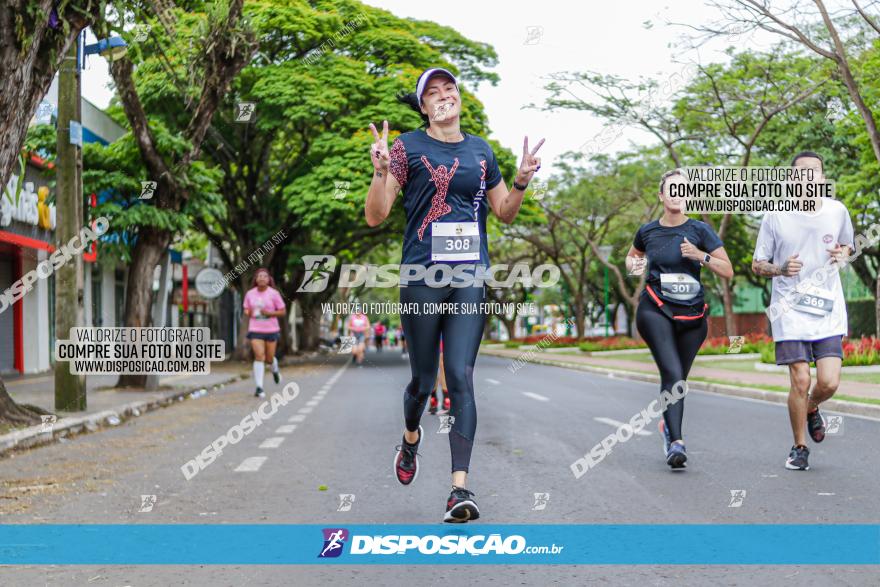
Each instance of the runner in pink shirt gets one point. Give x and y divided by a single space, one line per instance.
263 304
358 326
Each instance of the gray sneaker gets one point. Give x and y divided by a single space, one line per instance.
798 459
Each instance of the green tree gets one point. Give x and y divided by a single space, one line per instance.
185 68
322 74
34 39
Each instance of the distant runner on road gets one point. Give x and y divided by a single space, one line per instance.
264 305
359 326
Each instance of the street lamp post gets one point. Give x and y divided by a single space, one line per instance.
605 253
70 389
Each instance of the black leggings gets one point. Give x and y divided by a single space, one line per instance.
461 341
674 344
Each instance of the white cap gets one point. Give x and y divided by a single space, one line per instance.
427 75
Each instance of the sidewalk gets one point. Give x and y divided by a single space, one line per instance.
39 390
726 381
105 404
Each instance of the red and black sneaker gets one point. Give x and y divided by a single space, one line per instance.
461 507
446 402
816 425
432 408
406 461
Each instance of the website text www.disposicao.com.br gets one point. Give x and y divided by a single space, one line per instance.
429 544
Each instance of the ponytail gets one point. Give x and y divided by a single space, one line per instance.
412 101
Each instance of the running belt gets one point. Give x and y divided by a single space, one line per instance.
665 309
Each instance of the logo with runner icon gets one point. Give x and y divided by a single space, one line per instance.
319 268
346 500
736 344
737 496
147 503
446 423
47 422
827 239
334 540
346 344
541 500
834 425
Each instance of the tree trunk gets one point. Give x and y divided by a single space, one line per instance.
284 344
633 329
311 329
27 68
151 244
852 87
510 326
243 345
579 319
12 413
727 300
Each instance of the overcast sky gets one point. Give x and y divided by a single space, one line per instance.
536 39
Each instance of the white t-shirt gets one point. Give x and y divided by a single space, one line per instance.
822 311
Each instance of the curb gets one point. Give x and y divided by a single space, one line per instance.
834 405
71 426
759 366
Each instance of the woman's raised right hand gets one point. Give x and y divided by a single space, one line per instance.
379 149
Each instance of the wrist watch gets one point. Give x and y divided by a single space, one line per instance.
520 187
705 260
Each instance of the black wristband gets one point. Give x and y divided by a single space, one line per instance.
519 187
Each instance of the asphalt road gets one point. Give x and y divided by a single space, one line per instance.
341 430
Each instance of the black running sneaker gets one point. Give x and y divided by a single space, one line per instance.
676 457
259 392
276 375
461 507
798 459
406 460
816 425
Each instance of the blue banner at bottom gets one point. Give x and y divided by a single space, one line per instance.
272 544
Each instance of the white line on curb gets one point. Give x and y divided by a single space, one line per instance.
536 396
617 424
251 464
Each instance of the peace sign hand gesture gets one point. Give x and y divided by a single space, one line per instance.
529 164
379 149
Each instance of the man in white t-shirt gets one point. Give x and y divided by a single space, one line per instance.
803 253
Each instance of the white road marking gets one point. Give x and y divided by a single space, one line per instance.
313 402
493 381
305 410
296 418
821 493
536 396
273 442
286 429
251 464
617 424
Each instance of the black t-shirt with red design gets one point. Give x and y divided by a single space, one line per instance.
444 196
